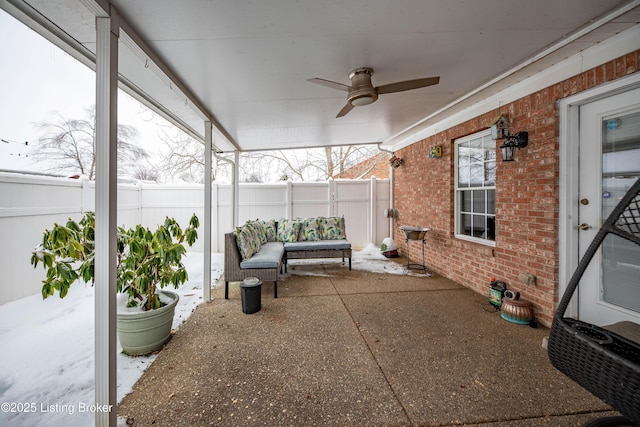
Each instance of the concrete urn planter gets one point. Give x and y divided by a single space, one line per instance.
141 332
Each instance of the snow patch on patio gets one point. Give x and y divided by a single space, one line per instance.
369 258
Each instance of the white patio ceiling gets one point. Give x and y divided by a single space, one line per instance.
245 64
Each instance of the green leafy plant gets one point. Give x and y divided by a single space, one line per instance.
146 260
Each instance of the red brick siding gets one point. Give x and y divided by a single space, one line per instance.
526 196
377 166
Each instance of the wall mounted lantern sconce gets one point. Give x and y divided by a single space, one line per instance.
519 140
500 130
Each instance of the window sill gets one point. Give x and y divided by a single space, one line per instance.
489 243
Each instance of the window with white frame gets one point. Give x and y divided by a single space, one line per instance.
475 187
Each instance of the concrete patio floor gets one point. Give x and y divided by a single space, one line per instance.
355 348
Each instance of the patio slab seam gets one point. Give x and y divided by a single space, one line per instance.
373 356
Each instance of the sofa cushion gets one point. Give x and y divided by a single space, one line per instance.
309 230
317 245
288 230
268 256
332 228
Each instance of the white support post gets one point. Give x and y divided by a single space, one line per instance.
236 188
106 220
206 282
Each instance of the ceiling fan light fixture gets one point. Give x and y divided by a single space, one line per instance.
362 100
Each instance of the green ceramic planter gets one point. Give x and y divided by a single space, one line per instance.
147 331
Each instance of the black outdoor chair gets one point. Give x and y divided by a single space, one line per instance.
602 361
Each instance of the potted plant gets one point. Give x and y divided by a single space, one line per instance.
147 262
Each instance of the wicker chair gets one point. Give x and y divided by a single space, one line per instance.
604 362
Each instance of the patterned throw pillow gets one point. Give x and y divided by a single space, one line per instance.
288 230
332 228
258 230
269 227
247 240
310 230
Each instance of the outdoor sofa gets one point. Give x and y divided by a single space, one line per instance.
262 248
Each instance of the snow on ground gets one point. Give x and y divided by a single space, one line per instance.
47 356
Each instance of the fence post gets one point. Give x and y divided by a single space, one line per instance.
289 199
86 197
373 204
215 218
140 186
331 197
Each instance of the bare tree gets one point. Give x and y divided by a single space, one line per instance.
183 159
68 146
296 165
143 173
312 164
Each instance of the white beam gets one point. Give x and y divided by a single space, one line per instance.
141 49
106 220
206 282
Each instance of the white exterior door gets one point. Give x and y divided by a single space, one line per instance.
609 164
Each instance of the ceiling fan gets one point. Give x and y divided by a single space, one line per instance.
361 92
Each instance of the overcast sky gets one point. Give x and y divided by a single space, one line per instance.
38 79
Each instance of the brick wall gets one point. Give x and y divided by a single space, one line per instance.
377 165
526 196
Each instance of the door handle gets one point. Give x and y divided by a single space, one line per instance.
584 226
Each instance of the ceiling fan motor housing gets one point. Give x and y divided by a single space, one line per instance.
362 91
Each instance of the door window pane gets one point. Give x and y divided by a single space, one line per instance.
620 259
620 272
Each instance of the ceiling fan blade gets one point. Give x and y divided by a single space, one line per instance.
408 85
329 83
345 110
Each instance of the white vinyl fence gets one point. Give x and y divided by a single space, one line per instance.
30 204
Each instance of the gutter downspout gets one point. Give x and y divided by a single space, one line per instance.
391 185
